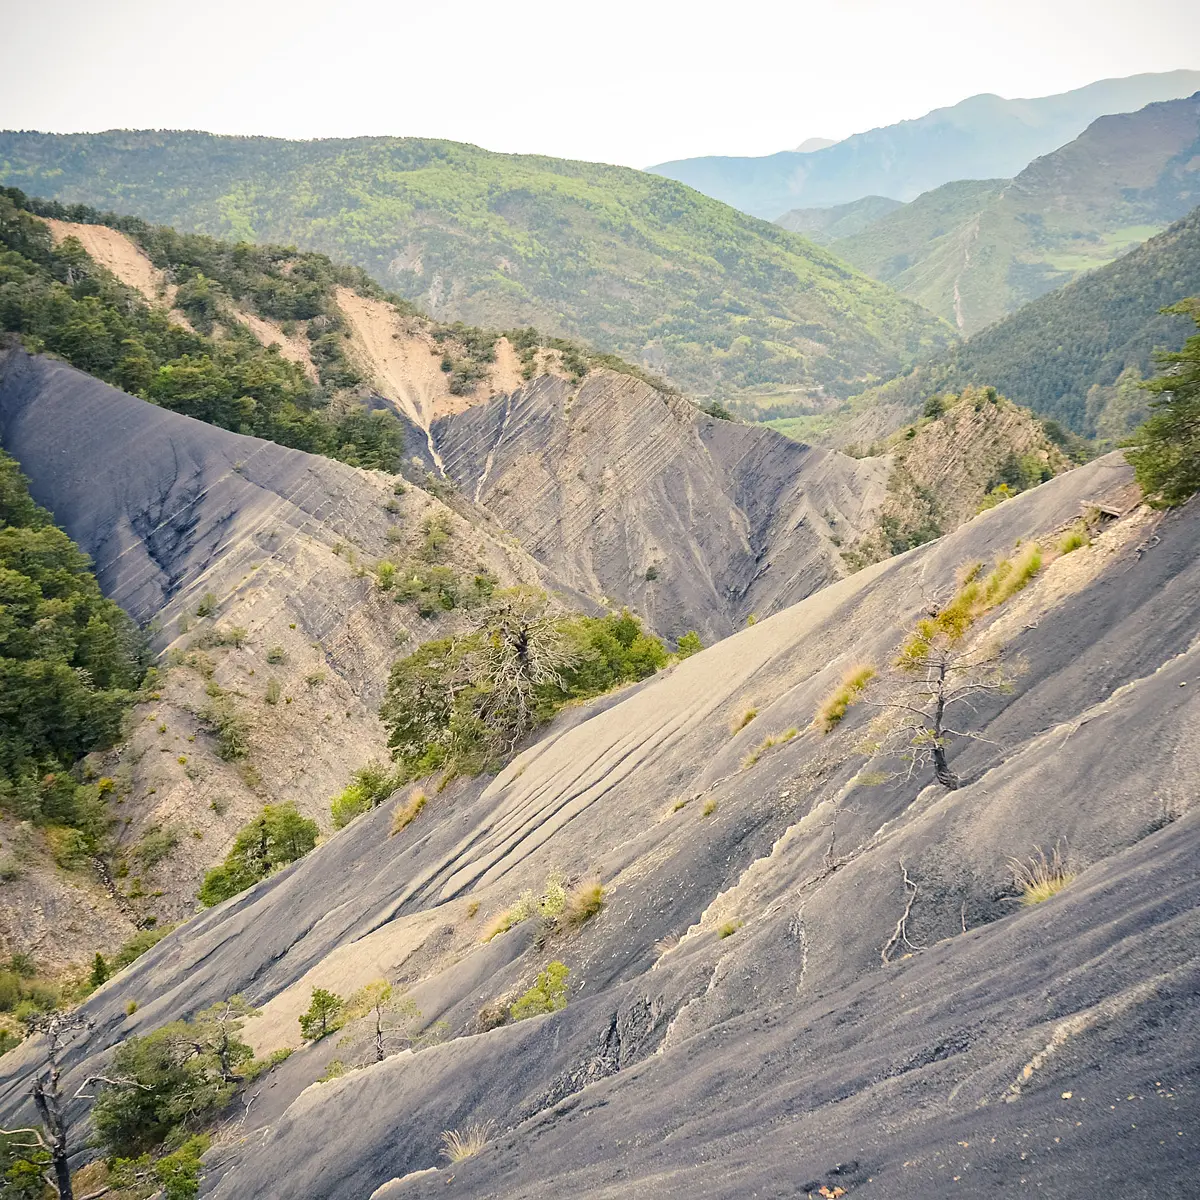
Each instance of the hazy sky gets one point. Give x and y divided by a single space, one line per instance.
625 81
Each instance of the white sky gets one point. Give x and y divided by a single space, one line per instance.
625 81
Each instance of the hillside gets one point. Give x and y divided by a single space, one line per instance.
632 263
825 225
1074 355
806 965
977 250
982 137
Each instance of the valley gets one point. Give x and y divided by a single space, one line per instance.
520 679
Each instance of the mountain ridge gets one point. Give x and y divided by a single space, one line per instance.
957 142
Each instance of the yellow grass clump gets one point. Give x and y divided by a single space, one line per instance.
403 815
848 693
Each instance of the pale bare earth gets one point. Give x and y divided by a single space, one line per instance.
294 349
121 255
405 362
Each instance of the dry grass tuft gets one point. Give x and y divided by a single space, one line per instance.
728 929
1039 877
458 1144
710 807
830 714
775 739
744 720
405 814
583 902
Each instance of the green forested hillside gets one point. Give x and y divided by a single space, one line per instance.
1076 354
60 300
975 251
826 225
68 661
634 263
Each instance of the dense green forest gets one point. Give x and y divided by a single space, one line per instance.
633 263
1072 355
69 663
60 300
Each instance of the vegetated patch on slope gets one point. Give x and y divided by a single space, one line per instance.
967 453
1076 355
974 251
637 265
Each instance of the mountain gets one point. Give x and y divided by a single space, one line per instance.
982 137
806 969
815 143
1074 355
974 251
632 263
824 225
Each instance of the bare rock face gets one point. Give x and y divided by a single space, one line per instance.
808 972
633 494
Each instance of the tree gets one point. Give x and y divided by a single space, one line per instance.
689 644
932 678
1165 451
172 1080
393 1013
321 1019
277 836
99 973
522 647
39 1158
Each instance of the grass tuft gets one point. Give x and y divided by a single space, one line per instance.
744 720
728 929
848 693
468 1141
405 814
710 807
1074 539
583 902
774 739
1041 877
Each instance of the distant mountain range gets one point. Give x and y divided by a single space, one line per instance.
635 264
975 250
982 137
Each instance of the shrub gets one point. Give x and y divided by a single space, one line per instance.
137 945
207 606
582 903
272 694
848 693
385 575
548 994
276 655
405 814
371 786
1038 878
458 1144
155 845
232 730
689 644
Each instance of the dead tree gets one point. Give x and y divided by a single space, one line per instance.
60 1031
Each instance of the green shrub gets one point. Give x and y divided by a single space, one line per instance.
371 786
689 644
273 692
276 655
548 994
